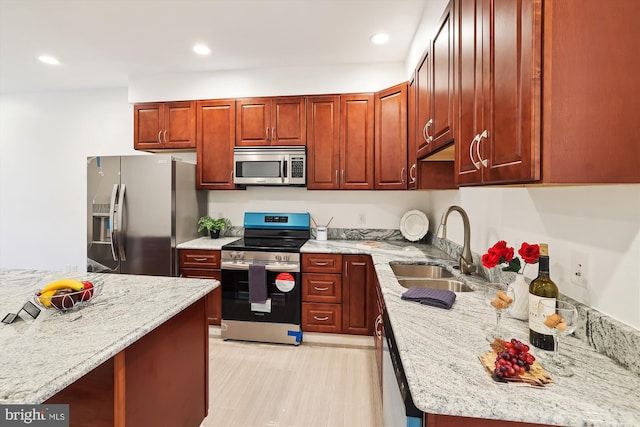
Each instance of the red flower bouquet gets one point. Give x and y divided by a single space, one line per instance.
500 253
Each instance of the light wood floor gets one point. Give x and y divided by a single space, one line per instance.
255 384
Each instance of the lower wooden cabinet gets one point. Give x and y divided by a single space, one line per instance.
378 331
204 264
338 294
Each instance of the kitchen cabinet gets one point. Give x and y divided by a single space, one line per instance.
271 121
423 105
390 149
498 59
215 137
204 264
164 125
322 293
358 295
340 145
356 141
323 142
442 83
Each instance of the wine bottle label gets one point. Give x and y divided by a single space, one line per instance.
535 317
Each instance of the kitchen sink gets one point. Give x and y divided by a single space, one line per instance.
448 284
427 276
420 271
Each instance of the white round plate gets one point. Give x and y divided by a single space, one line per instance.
414 225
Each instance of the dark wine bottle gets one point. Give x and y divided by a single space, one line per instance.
541 288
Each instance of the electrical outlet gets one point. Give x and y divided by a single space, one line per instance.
580 269
362 218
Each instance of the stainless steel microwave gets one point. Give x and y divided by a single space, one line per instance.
270 165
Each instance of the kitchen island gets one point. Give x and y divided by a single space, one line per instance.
439 350
136 355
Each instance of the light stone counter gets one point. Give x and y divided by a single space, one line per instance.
41 356
439 350
207 243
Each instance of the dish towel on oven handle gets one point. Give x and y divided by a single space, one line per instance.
257 283
435 297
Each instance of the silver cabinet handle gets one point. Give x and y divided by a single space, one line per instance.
159 133
266 134
112 222
321 319
200 259
402 180
377 325
342 180
121 230
425 132
321 263
412 177
164 136
320 289
476 140
482 136
337 180
274 137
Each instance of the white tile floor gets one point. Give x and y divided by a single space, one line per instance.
256 384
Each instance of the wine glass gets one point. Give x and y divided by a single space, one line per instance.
500 297
559 318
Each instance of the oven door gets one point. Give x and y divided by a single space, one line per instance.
283 304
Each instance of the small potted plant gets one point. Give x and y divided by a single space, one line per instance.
214 226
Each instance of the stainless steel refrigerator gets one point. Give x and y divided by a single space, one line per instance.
138 209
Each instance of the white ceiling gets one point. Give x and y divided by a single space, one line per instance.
100 42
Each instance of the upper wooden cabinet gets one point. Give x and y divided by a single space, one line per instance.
590 105
391 138
215 141
424 120
166 125
442 83
271 121
356 141
412 135
498 103
323 142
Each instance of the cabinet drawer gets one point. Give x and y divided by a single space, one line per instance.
201 273
322 263
325 288
199 258
321 317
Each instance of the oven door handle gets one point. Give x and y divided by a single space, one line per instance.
289 268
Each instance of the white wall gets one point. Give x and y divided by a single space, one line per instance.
45 139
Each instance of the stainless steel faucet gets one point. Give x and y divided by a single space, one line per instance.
466 260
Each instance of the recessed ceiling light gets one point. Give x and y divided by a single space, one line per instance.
380 38
201 49
47 59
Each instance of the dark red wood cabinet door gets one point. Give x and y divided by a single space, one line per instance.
423 106
512 92
323 142
390 151
179 125
442 110
253 121
147 126
356 142
358 295
288 121
215 135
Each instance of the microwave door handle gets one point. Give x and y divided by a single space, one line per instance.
112 223
121 202
282 163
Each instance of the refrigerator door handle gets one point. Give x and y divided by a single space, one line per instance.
121 253
112 223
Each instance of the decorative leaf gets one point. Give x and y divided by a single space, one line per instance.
514 265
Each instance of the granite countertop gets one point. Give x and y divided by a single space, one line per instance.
44 355
439 350
207 243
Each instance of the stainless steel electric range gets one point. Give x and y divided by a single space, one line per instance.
261 279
